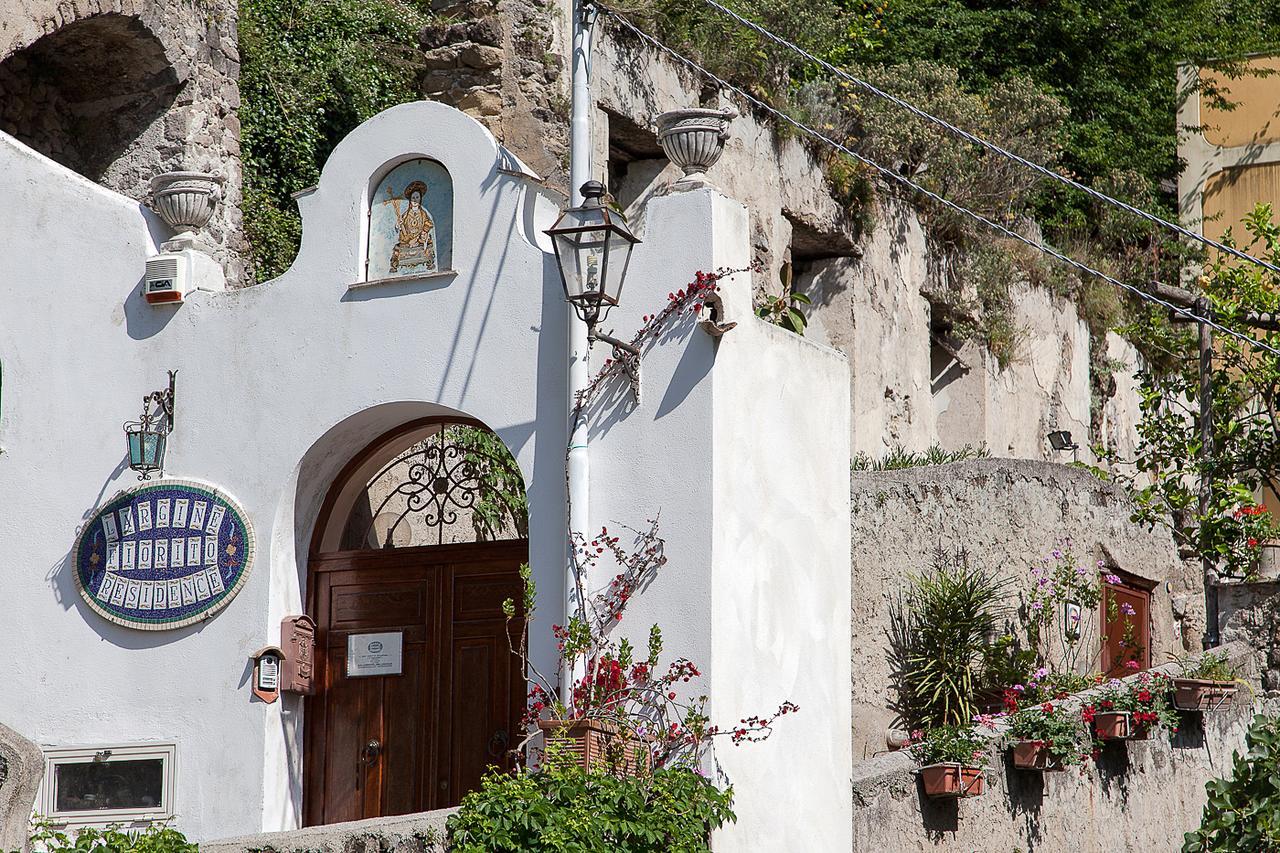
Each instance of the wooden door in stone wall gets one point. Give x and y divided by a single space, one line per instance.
418 693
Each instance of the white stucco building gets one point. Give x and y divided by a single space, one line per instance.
293 396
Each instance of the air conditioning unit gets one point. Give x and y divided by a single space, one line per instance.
171 276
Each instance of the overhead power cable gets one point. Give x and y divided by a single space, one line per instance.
892 175
991 146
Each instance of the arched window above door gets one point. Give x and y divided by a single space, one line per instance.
441 483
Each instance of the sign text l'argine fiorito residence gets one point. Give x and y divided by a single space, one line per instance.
164 555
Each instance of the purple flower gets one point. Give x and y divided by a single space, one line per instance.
1112 579
1019 688
1037 605
1041 673
1127 609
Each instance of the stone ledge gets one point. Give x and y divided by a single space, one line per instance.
413 833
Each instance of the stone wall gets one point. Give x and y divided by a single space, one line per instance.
418 833
1006 513
122 90
1140 795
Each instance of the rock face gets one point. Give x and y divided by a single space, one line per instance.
1007 514
21 769
123 90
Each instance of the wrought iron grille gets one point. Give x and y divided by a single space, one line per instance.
458 484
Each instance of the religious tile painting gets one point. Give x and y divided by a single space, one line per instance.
163 555
411 222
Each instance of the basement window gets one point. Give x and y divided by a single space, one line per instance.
103 785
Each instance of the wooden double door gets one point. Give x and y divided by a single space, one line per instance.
421 736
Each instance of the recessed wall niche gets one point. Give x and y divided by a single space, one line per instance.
411 222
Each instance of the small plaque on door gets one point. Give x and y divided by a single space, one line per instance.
374 654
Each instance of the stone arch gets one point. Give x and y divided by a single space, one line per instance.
84 93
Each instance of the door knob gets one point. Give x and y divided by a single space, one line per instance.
498 743
371 751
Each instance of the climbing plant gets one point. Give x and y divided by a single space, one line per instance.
310 72
1243 811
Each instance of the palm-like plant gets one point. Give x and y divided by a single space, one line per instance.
941 624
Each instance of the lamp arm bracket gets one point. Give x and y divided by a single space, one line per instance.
626 355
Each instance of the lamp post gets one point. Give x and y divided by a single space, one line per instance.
147 438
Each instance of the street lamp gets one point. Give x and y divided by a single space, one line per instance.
148 437
593 250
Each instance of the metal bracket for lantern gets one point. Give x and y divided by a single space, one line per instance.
148 436
593 250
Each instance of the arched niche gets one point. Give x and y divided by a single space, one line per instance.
410 232
83 94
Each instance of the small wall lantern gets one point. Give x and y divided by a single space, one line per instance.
593 250
148 437
266 673
1060 439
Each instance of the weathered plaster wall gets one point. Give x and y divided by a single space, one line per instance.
122 90
420 833
1007 514
1140 796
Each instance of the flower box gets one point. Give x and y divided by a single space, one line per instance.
1196 694
1034 755
1113 725
598 745
952 780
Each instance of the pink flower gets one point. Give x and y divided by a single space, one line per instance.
1112 579
1131 664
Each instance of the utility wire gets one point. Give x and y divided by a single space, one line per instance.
892 175
991 146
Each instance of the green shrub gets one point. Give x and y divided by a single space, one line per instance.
950 745
565 808
310 72
1243 812
1056 727
157 838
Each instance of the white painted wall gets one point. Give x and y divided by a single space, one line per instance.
742 446
766 414
278 386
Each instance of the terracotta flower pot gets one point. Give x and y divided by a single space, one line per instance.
952 780
1195 694
1034 755
598 745
1113 725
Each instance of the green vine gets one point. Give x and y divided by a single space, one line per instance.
310 72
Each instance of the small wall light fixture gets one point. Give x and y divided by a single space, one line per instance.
1060 439
593 249
148 436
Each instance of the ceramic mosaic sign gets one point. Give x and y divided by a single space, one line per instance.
411 221
163 555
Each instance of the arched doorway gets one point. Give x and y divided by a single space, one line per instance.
418 543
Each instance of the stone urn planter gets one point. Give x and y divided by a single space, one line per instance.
694 139
186 200
1197 694
952 780
1034 755
598 745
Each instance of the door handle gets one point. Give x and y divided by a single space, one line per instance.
498 743
369 755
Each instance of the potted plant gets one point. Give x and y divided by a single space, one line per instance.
1207 686
1047 737
954 759
1132 709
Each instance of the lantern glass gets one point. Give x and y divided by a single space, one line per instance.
593 249
146 449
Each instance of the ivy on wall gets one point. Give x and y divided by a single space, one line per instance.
310 72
